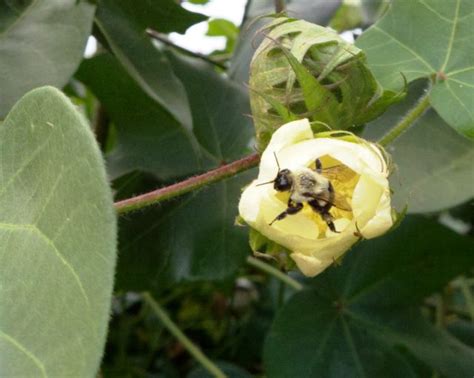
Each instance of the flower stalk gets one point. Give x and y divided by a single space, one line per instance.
194 350
188 185
408 120
267 268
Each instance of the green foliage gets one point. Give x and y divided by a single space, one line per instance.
41 42
123 23
150 139
360 319
400 305
147 135
433 163
166 245
221 27
437 45
57 238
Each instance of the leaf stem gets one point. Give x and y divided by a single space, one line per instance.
408 120
188 185
163 39
267 268
280 6
192 348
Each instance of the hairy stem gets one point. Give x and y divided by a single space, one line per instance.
187 185
267 268
192 348
164 39
280 6
408 120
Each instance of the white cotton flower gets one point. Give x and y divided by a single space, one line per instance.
362 181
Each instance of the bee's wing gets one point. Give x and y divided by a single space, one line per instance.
341 203
338 201
338 173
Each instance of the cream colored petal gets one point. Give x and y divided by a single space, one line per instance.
293 232
365 200
333 247
308 265
382 220
296 225
341 225
288 134
250 202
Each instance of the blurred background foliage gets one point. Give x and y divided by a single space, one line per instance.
400 306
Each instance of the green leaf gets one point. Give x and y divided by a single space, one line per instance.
147 135
143 61
357 319
434 169
191 239
220 109
222 27
41 42
57 241
165 16
198 1
123 24
438 44
372 10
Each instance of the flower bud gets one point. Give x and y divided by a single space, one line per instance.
302 70
359 208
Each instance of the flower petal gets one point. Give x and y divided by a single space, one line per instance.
286 135
310 266
249 205
382 220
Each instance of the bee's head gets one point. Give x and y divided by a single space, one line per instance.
283 181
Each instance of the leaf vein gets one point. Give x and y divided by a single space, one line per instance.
414 53
35 230
451 38
25 351
431 9
350 341
459 100
24 165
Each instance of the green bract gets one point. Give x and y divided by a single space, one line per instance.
302 70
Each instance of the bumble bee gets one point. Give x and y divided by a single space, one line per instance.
311 186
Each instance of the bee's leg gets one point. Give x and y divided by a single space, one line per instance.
292 208
319 166
323 210
328 219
